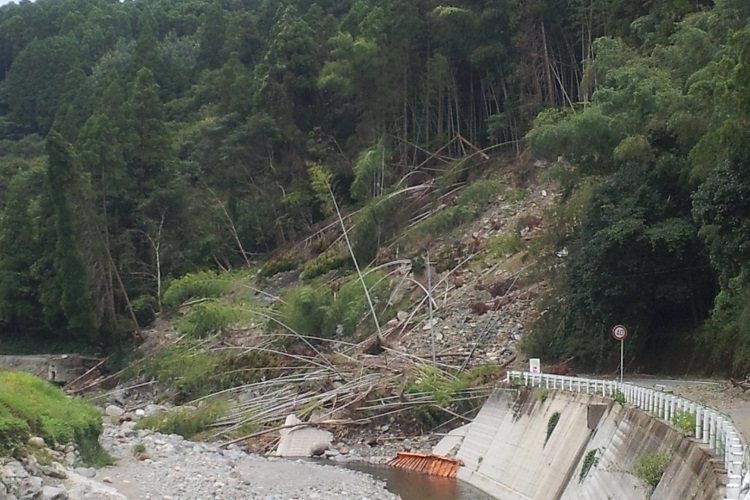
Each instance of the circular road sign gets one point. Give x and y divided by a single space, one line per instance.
619 332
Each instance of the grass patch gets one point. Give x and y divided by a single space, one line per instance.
504 245
187 422
481 194
650 468
441 222
31 406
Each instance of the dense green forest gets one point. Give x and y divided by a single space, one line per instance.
146 139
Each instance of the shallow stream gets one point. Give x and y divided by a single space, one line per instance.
413 486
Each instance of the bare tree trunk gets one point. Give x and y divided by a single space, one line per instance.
405 113
548 67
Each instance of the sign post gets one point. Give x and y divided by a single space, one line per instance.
619 332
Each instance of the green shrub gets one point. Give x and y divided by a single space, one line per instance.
685 421
193 372
187 422
376 224
144 308
589 461
438 383
284 262
205 284
551 424
49 413
350 306
333 258
619 398
207 318
306 310
314 311
542 394
184 369
441 222
650 468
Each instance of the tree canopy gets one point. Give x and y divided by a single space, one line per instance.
142 140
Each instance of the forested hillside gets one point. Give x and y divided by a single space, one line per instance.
147 139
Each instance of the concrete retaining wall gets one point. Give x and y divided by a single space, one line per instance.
506 451
58 368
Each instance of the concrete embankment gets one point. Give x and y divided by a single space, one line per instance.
56 368
537 444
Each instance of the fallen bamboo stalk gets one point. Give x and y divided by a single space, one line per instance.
87 372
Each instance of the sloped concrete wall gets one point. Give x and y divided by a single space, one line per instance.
505 453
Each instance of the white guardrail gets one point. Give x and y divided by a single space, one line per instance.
711 427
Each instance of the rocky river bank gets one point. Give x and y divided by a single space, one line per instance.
150 465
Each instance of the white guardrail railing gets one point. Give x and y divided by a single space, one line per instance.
711 427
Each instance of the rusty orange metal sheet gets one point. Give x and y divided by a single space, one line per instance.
427 464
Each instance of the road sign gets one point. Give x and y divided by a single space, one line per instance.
619 332
535 365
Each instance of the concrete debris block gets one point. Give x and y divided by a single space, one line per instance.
302 442
52 493
291 420
114 411
37 441
449 445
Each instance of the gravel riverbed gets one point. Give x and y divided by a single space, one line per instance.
172 468
154 466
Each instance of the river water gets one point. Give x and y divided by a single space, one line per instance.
413 486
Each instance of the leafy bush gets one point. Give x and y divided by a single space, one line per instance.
333 258
541 394
205 284
619 397
207 318
193 372
29 405
685 421
551 424
376 224
284 262
144 308
650 468
441 222
306 310
371 173
314 311
589 461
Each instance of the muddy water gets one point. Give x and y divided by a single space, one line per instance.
412 486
